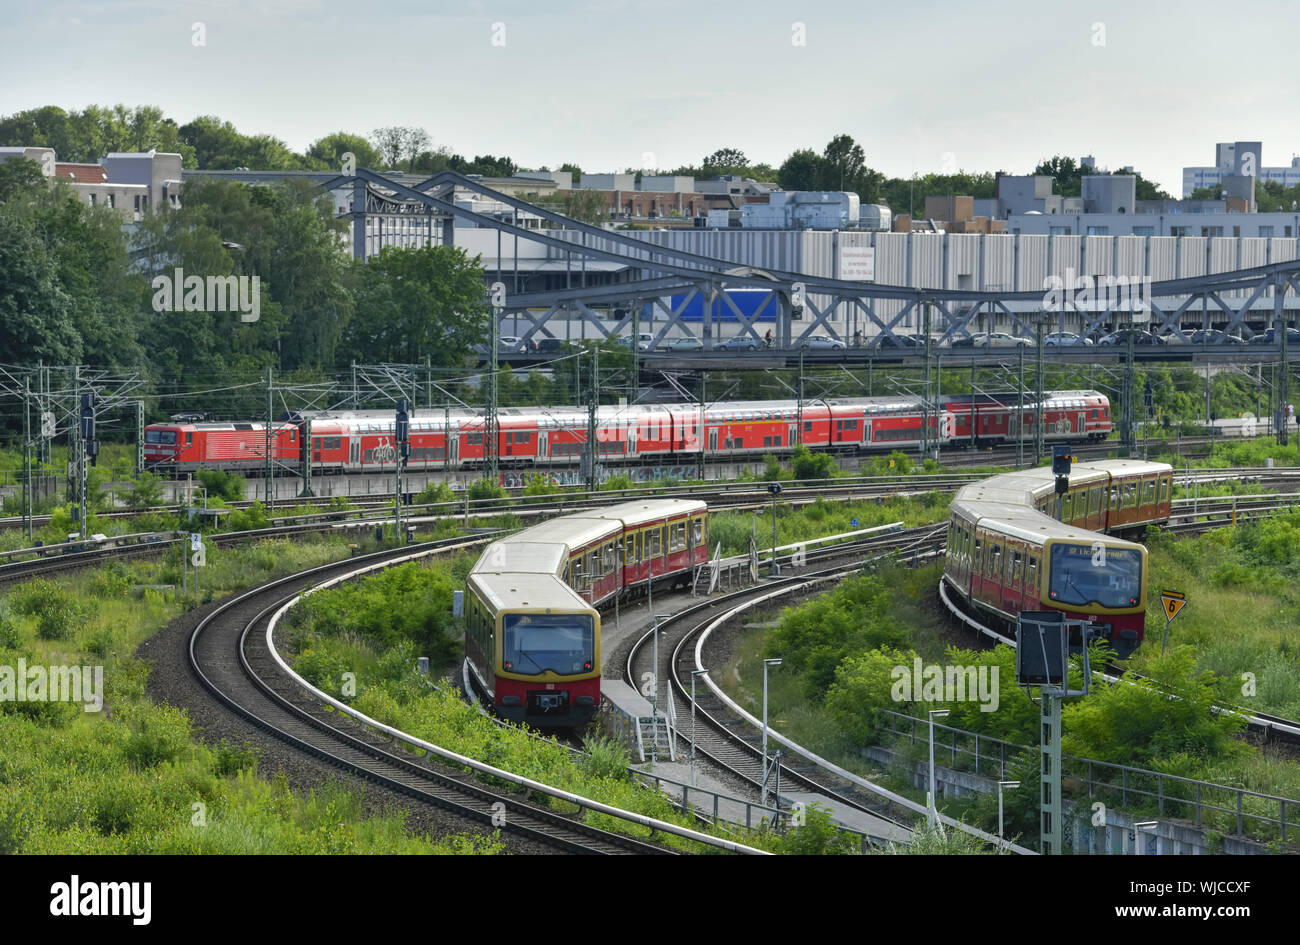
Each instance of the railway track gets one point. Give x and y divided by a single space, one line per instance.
729 742
229 656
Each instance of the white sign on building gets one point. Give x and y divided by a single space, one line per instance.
858 263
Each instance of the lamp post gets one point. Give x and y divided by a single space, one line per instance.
766 665
934 714
1001 785
694 673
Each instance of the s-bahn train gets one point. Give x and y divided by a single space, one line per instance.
1014 545
532 627
549 437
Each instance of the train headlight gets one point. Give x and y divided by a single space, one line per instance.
509 665
587 666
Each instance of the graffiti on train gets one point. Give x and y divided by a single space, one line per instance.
574 477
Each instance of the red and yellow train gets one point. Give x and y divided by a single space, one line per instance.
532 638
1014 545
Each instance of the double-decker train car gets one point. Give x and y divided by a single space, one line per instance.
532 640
178 448
548 437
1014 545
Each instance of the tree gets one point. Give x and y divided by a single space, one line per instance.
1068 175
800 170
397 144
218 145
416 303
573 169
726 161
844 167
328 151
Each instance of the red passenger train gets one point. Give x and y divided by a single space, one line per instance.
533 635
550 437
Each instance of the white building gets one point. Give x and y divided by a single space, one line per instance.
1244 158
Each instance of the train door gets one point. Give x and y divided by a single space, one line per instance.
631 439
354 451
713 439
453 447
541 445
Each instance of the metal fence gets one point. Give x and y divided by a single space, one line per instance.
1221 807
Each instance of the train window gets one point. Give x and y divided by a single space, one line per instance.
697 530
1016 563
995 562
653 541
1031 574
1149 492
807 426
629 549
189 439
1164 489
1114 497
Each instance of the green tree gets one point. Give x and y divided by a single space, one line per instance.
800 170
328 151
413 303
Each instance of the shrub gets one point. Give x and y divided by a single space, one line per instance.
435 492
146 492
485 489
223 485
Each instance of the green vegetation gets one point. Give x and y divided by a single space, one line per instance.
841 651
361 629
820 518
133 778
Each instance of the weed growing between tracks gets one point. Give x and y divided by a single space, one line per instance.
820 518
128 779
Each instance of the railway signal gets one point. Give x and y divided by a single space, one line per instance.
775 489
1061 461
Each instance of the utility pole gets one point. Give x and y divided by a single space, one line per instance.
139 437
87 446
402 430
1038 416
593 398
703 427
1020 410
28 502
925 386
1129 416
491 445
798 430
1281 423
270 463
306 452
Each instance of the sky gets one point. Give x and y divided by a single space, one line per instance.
922 85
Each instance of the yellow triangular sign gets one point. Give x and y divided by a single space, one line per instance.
1173 602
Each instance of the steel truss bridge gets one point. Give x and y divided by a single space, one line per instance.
798 305
663 273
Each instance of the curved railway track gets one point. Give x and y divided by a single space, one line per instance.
730 742
229 656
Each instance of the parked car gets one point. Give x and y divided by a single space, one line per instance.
509 344
901 340
821 343
645 341
1065 339
1270 337
548 345
1213 336
1140 337
1000 339
687 344
745 342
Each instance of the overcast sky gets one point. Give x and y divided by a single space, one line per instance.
923 85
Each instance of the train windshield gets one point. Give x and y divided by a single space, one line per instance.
160 436
559 643
1095 575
